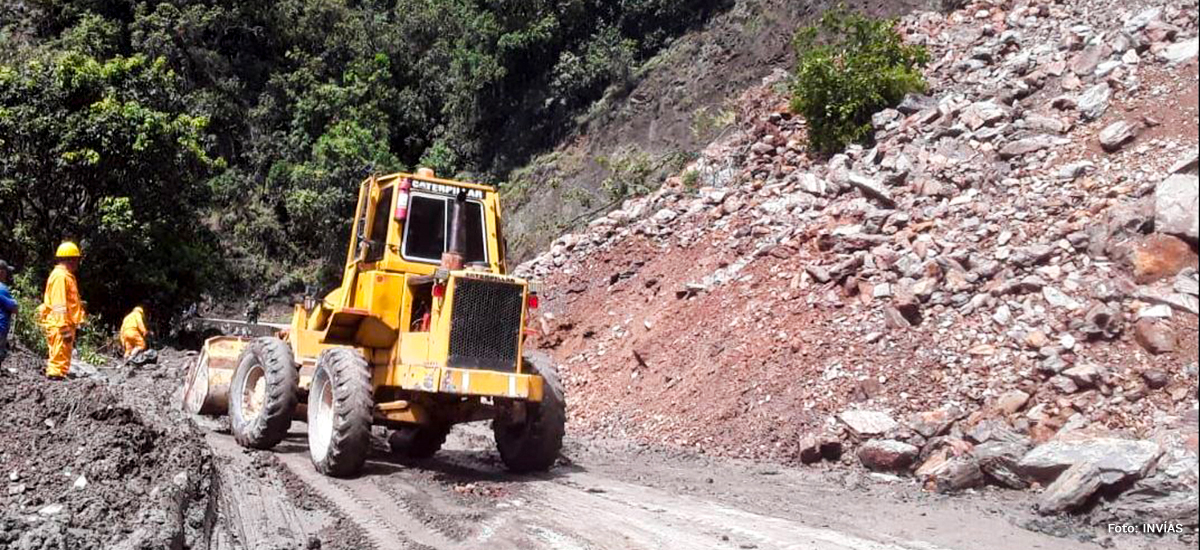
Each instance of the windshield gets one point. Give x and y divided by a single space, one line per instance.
428 224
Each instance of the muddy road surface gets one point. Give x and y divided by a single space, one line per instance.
108 463
619 496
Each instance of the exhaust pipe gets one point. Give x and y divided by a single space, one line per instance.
456 253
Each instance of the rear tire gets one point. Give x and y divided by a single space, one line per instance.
534 445
418 441
339 413
262 394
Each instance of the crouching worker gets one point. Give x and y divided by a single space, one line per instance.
133 332
61 311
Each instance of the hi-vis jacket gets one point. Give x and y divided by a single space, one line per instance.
61 307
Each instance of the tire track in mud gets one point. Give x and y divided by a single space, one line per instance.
387 523
421 505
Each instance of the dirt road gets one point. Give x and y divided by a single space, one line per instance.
612 496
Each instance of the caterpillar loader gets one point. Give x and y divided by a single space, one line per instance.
426 331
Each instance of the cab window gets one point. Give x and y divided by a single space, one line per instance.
427 229
476 251
379 226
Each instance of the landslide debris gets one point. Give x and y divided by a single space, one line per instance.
86 466
1011 266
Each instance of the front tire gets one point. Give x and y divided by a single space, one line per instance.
534 444
262 394
339 413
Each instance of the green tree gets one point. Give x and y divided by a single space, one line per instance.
105 152
168 134
850 67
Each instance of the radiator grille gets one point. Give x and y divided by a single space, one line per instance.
485 327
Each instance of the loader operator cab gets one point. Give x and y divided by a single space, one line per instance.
405 223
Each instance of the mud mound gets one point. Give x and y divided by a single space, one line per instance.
86 467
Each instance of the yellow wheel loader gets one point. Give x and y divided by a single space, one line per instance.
426 331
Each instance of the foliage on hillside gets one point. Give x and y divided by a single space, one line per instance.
106 152
848 68
169 133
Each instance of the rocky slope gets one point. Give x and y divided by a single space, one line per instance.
678 102
1001 290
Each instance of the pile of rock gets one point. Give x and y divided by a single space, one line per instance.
1016 215
1138 478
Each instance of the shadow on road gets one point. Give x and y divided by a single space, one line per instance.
457 466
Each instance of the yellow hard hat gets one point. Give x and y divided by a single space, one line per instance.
68 250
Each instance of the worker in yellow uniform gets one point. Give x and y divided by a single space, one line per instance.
61 311
133 332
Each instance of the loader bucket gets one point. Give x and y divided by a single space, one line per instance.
206 388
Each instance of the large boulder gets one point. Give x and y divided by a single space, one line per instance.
1170 495
1116 459
1029 145
1116 135
1155 337
868 424
1156 257
1181 52
885 455
1072 489
872 189
947 472
1094 102
999 459
934 423
1176 202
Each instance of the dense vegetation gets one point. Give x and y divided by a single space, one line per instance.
848 68
207 146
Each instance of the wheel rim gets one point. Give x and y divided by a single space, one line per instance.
320 424
254 393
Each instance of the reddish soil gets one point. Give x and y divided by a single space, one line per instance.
744 370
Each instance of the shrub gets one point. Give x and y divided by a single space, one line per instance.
850 67
630 173
24 328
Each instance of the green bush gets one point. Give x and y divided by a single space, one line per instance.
95 342
630 173
25 329
850 67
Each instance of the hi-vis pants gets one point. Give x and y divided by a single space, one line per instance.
61 342
133 342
